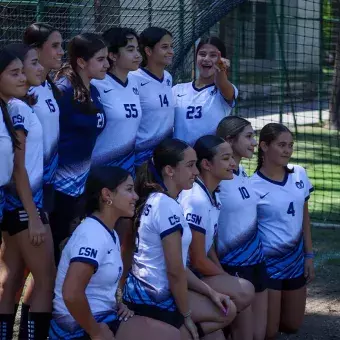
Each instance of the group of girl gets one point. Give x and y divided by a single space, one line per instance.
213 252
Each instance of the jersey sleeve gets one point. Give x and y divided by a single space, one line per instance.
308 186
89 249
20 112
167 217
194 213
232 103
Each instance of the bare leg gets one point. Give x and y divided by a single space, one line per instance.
293 303
274 313
242 327
260 309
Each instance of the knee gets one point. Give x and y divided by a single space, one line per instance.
245 296
10 281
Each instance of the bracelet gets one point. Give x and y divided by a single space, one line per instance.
309 255
187 314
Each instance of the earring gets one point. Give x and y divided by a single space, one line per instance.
109 202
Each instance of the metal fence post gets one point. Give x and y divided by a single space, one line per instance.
320 84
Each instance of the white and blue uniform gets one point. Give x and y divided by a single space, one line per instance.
6 156
239 242
280 220
24 119
93 243
201 211
115 146
78 134
157 112
47 110
148 283
198 111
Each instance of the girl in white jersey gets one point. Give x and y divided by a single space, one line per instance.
28 240
283 219
154 85
201 104
158 283
12 82
120 98
239 245
48 42
87 303
202 208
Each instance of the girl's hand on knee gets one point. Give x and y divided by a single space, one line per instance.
191 327
221 301
37 231
124 312
309 270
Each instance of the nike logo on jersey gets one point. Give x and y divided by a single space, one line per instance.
262 197
109 251
142 84
106 91
181 95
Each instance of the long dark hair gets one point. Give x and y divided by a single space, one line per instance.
20 50
215 41
85 46
230 127
206 148
109 177
149 38
149 177
117 37
36 35
6 57
268 134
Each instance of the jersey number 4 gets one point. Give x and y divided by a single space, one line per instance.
194 112
291 210
131 110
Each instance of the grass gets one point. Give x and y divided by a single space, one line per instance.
317 149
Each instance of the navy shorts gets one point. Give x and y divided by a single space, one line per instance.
15 221
173 318
287 284
256 274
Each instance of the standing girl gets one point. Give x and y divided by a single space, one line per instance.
82 119
120 98
239 246
201 104
157 286
283 191
27 237
202 208
48 42
154 86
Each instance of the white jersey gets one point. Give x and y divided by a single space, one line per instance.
198 111
239 242
6 164
162 216
24 119
47 110
201 210
93 243
280 216
115 146
158 112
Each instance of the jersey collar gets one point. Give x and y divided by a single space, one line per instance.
152 75
237 172
282 183
212 199
202 88
112 233
118 80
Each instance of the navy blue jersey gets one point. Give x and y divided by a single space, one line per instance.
78 134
